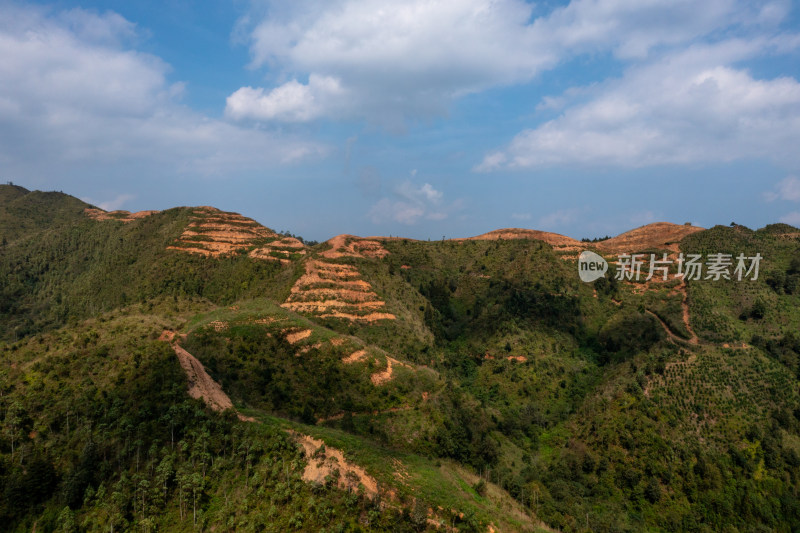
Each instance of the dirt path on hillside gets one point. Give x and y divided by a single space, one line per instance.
672 336
685 307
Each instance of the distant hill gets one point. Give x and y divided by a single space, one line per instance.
191 369
23 212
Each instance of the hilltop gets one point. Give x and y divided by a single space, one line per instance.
192 369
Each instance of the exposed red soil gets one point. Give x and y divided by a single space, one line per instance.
296 336
661 235
216 233
122 216
328 289
308 347
328 461
354 357
370 317
281 250
352 246
386 375
201 385
557 241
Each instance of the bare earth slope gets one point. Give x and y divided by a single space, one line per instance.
215 233
557 241
122 216
201 386
663 235
330 289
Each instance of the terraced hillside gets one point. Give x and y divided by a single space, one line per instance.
333 288
122 216
192 370
215 233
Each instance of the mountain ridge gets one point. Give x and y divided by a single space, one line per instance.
464 377
651 235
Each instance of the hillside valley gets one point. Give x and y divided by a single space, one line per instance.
193 370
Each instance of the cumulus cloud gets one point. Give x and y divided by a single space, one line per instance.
398 63
76 96
410 204
688 107
116 203
787 189
631 28
412 60
290 102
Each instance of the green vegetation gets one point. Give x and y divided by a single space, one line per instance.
99 434
517 393
69 272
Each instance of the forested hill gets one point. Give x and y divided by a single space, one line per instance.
194 370
25 213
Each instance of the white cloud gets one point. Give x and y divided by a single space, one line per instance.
107 28
410 204
632 28
689 107
411 60
398 63
290 102
396 210
787 189
116 203
425 193
792 218
75 96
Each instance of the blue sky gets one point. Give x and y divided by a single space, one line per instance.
419 118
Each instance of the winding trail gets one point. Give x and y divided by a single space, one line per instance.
685 307
672 335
